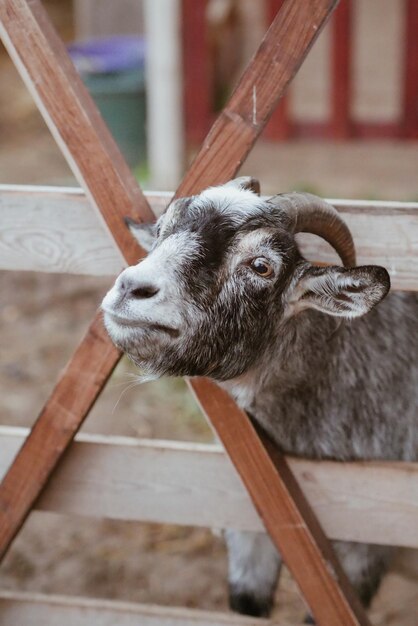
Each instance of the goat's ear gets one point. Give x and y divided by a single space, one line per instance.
245 182
143 233
340 292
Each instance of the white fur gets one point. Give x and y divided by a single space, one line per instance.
254 562
236 202
158 269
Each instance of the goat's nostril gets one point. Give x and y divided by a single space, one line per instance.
145 291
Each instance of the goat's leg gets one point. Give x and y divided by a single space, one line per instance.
365 566
254 567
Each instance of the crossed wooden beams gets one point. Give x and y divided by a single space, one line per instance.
68 110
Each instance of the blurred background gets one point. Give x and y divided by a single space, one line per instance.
160 71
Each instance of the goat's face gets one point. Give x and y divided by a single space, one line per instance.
208 297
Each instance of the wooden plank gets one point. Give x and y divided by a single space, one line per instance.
29 609
197 72
195 484
341 127
303 545
54 230
57 230
410 67
279 127
283 509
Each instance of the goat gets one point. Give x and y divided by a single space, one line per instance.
226 293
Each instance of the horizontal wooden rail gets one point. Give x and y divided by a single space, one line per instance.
55 229
195 484
18 609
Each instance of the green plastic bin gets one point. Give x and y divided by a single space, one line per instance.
120 97
112 68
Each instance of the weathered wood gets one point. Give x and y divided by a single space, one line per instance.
55 230
304 546
30 609
283 508
196 484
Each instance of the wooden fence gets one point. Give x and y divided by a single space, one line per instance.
91 237
199 98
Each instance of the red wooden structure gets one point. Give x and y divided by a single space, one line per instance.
198 96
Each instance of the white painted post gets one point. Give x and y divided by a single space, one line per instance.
164 93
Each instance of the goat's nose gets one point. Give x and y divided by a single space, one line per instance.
144 291
137 289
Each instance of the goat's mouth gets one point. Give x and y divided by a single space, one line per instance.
139 325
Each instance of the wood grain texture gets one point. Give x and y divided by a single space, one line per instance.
195 484
43 63
55 230
22 609
283 509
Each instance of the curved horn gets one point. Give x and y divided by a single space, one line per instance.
309 214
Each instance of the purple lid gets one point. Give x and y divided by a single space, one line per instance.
110 54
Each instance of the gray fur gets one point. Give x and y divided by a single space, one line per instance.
293 349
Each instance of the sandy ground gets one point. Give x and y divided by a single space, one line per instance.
43 316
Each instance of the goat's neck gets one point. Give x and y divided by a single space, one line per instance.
299 354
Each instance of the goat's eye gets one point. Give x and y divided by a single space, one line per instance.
262 267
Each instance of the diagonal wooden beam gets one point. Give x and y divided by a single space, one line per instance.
284 510
41 58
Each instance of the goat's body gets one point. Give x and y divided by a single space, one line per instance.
340 391
226 293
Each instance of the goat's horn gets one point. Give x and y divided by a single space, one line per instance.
309 214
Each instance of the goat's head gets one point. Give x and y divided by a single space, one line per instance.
223 277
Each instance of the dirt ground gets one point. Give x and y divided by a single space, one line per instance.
43 316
